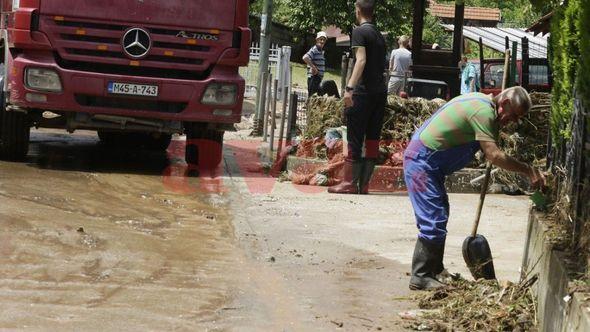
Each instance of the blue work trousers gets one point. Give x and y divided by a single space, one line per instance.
425 171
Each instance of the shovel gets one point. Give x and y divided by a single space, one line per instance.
476 250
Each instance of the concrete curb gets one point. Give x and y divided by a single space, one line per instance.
555 310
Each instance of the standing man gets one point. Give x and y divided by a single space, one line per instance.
446 143
316 64
399 64
469 81
364 101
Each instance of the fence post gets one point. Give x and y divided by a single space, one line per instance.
268 87
525 63
481 65
262 101
292 121
282 130
513 68
273 119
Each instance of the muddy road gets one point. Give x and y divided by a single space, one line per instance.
98 239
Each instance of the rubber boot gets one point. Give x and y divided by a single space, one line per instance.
366 174
350 181
427 260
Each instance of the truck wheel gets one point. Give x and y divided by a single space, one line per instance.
109 138
157 141
204 147
15 132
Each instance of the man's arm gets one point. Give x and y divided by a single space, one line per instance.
307 60
357 71
391 62
502 160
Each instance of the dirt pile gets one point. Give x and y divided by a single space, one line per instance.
482 305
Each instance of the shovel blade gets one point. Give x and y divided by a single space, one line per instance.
478 257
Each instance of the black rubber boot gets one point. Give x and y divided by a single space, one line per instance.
426 263
366 174
350 181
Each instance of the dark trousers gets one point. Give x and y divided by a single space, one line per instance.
313 85
364 121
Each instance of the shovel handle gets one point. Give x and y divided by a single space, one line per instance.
482 197
486 181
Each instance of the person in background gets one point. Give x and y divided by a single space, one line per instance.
316 64
364 102
399 63
469 80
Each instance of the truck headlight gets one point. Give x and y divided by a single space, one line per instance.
220 94
43 80
15 4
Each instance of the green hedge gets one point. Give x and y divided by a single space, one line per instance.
583 81
565 51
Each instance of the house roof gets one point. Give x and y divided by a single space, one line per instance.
495 38
542 26
471 13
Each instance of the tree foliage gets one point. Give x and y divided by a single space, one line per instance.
312 15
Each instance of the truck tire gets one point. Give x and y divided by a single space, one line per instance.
15 131
204 147
157 141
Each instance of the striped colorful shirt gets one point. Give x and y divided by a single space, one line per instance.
317 58
464 119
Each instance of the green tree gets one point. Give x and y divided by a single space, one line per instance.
312 15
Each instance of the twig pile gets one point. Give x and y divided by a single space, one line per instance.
402 116
526 141
482 305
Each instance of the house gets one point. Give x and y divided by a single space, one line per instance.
474 16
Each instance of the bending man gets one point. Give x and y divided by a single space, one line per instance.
446 143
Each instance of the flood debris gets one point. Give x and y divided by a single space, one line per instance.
482 305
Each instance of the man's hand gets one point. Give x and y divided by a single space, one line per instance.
537 178
348 99
314 70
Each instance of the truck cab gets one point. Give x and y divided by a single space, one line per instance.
131 68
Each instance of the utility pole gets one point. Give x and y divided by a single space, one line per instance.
265 37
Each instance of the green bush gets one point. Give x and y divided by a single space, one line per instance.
565 50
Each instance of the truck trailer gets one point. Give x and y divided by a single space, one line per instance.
133 70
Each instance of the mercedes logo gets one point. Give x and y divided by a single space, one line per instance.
136 43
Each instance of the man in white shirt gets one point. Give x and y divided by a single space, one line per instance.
399 64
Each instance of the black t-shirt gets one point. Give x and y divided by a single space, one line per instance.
372 80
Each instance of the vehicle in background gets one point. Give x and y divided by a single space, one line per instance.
539 76
134 71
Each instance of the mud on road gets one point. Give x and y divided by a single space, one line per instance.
93 239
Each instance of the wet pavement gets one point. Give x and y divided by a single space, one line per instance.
99 239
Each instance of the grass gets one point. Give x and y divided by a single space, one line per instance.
299 75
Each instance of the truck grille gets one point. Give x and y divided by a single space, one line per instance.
91 46
130 103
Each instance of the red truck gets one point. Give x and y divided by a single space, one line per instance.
539 75
133 70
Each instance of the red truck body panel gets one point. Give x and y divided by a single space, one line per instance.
202 14
191 44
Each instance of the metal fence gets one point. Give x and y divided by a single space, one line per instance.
250 73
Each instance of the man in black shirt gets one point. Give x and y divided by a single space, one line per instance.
365 98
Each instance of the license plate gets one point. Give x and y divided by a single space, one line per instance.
133 89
